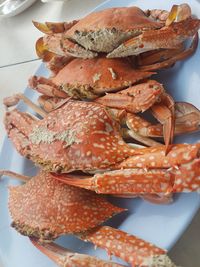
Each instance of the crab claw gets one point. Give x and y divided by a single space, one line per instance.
187 119
126 182
167 38
143 183
54 27
66 258
46 86
51 103
128 247
135 99
58 44
42 50
178 13
155 157
172 60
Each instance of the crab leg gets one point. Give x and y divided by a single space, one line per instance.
128 247
164 113
66 258
128 181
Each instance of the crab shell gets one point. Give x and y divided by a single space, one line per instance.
89 78
105 30
45 208
78 136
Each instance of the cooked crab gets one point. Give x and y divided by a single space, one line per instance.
91 78
45 209
121 32
82 136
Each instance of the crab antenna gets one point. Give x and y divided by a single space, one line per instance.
13 100
14 175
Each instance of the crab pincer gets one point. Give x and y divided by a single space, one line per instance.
140 182
66 258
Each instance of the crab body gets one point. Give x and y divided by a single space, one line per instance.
90 78
122 32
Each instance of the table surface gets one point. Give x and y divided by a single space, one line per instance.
19 61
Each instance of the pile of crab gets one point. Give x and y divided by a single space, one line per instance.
86 140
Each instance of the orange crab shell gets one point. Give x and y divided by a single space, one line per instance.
98 75
78 136
120 18
45 208
104 30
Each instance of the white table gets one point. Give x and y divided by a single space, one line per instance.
17 45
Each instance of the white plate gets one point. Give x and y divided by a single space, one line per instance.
161 225
9 9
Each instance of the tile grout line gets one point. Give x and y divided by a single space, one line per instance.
19 63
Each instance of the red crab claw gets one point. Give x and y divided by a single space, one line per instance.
155 157
42 51
66 258
130 248
47 87
170 61
187 119
51 103
140 182
178 13
54 27
56 43
135 99
167 38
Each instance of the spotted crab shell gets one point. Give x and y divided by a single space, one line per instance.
45 208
